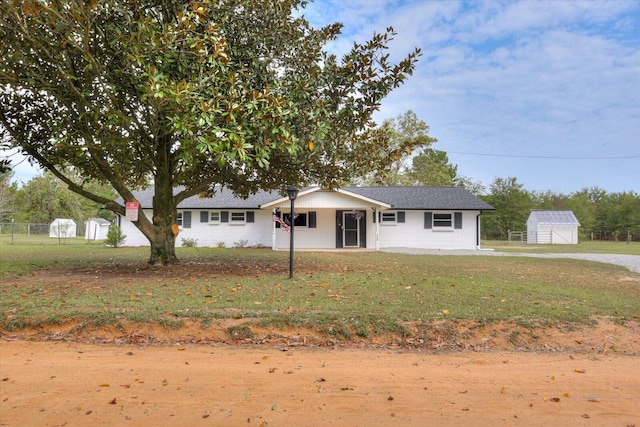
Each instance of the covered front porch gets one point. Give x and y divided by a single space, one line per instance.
327 220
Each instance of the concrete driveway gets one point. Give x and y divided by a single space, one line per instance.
631 262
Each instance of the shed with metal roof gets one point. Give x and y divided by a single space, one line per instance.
552 227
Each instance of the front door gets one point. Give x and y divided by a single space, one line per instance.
351 229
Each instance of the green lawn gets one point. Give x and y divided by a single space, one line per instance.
586 247
339 293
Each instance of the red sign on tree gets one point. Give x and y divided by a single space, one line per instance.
132 211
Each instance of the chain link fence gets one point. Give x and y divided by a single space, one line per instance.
40 234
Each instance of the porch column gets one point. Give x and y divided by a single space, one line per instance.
273 232
376 221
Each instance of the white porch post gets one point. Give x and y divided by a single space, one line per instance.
273 232
376 220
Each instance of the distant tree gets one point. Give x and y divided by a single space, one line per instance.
584 204
513 205
45 198
191 95
549 200
7 196
628 213
619 214
405 130
474 186
431 167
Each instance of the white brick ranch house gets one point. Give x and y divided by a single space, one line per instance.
350 217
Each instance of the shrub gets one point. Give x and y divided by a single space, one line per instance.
240 243
189 242
115 237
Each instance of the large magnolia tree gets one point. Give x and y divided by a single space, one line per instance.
189 96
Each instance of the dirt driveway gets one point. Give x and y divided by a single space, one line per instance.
69 384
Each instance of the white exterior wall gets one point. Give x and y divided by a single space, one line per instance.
96 230
562 234
412 234
532 231
321 237
557 234
257 233
210 234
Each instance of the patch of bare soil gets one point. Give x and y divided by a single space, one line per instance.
605 336
58 383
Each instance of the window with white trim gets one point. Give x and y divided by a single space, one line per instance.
184 219
388 218
214 216
300 219
238 217
442 220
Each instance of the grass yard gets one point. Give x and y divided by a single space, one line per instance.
341 294
584 247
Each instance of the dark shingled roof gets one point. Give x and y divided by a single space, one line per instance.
436 198
222 199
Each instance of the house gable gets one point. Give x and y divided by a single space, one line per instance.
317 198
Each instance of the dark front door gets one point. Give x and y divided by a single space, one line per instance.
351 229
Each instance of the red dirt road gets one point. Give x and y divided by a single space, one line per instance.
57 383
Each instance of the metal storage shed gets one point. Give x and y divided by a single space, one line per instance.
552 227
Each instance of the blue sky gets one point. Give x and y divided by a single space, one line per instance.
544 91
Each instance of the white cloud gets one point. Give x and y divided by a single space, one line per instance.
554 78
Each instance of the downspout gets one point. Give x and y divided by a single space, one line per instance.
478 233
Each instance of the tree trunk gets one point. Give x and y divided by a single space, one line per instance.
163 250
165 230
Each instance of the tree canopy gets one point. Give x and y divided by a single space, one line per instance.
421 164
191 95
